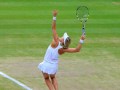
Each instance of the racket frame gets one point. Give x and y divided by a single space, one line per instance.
83 19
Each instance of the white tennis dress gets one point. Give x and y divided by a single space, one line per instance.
50 62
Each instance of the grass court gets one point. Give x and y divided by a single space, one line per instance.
25 33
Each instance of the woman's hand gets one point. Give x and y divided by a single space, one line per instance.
83 37
55 13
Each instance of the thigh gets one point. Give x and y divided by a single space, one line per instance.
52 76
45 75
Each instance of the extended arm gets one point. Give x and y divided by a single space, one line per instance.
55 36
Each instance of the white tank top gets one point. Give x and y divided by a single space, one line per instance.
52 54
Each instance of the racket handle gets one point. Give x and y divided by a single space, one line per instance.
83 33
83 29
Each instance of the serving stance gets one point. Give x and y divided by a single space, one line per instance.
58 46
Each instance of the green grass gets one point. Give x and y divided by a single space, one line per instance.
25 33
6 84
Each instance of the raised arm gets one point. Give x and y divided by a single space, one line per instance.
55 36
79 46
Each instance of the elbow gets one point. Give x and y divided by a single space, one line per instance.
77 50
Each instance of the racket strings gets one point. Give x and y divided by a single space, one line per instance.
82 13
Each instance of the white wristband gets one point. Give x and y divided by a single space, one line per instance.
81 41
54 18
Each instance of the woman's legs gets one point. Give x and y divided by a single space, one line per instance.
48 82
54 81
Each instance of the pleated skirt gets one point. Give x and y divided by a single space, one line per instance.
48 67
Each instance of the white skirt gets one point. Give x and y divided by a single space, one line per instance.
47 67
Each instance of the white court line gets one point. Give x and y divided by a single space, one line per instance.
15 81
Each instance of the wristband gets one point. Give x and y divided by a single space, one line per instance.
54 18
81 41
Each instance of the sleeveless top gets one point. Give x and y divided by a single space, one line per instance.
52 54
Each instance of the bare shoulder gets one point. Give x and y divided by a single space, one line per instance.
61 51
54 44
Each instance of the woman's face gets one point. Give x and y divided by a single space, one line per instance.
62 40
67 42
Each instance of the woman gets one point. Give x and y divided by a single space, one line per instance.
49 66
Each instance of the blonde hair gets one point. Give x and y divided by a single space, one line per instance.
67 43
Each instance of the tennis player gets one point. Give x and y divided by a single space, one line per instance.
58 46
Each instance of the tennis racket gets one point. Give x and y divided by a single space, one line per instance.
82 13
